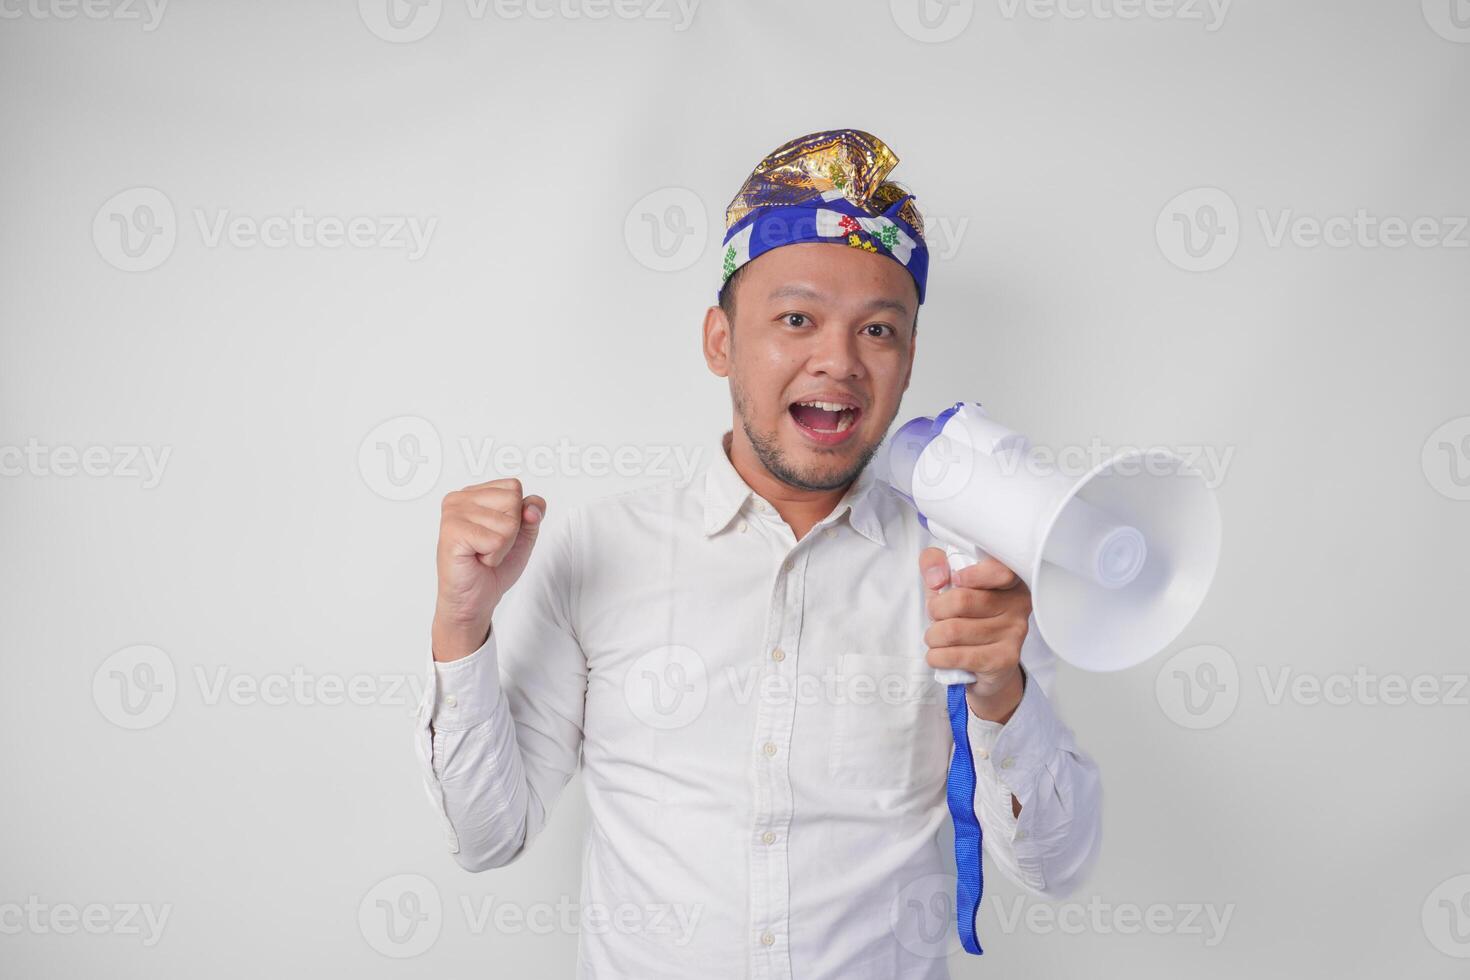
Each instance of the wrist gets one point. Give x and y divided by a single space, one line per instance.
452 639
996 702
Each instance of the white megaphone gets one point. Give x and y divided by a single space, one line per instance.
1118 561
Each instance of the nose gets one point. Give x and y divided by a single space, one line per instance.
835 353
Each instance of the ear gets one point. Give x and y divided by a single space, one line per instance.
717 341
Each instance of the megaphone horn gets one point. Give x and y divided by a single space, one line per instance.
1118 561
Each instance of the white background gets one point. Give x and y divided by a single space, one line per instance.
1054 142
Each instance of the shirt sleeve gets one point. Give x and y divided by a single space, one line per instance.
499 733
1051 847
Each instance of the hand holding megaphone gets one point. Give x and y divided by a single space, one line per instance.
1118 561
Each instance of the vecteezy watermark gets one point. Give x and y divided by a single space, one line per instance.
922 917
1446 458
406 21
1450 19
1198 687
135 687
148 13
38 918
834 686
123 462
403 916
1362 229
137 229
667 230
138 686
1362 686
1200 230
667 687
932 21
1204 920
673 921
1446 917
1210 13
403 458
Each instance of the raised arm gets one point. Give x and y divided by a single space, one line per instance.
499 731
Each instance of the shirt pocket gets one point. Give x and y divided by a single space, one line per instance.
890 724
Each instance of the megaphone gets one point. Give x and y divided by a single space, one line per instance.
1118 561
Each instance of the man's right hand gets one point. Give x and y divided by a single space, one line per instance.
486 533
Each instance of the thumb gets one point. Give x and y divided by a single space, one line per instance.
533 513
934 566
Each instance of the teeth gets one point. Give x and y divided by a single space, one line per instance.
844 422
825 406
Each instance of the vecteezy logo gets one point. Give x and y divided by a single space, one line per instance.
922 917
1446 917
667 688
932 21
135 230
402 458
943 470
135 687
1199 230
401 916
1199 687
400 21
667 231
1450 19
1446 458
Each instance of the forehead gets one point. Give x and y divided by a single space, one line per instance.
837 274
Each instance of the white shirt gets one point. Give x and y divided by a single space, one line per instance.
764 747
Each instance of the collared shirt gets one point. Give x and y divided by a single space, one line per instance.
763 746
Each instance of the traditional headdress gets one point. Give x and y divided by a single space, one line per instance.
826 187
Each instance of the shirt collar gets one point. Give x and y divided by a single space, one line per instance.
725 492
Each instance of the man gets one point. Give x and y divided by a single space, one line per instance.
744 665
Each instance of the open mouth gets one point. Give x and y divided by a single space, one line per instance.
824 421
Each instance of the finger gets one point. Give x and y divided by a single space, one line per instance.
533 509
988 574
960 603
465 537
969 632
502 499
504 483
985 658
934 568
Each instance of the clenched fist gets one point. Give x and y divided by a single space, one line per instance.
486 533
979 626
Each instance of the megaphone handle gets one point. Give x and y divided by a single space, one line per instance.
958 558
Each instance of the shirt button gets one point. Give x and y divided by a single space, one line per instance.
982 753
789 566
778 655
767 939
768 838
769 748
1008 762
1020 835
831 532
742 525
451 700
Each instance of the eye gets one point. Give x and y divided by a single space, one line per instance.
880 327
800 318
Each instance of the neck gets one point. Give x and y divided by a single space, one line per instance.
800 509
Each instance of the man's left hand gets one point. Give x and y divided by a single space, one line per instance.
979 626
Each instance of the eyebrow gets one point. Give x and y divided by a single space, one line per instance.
806 292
